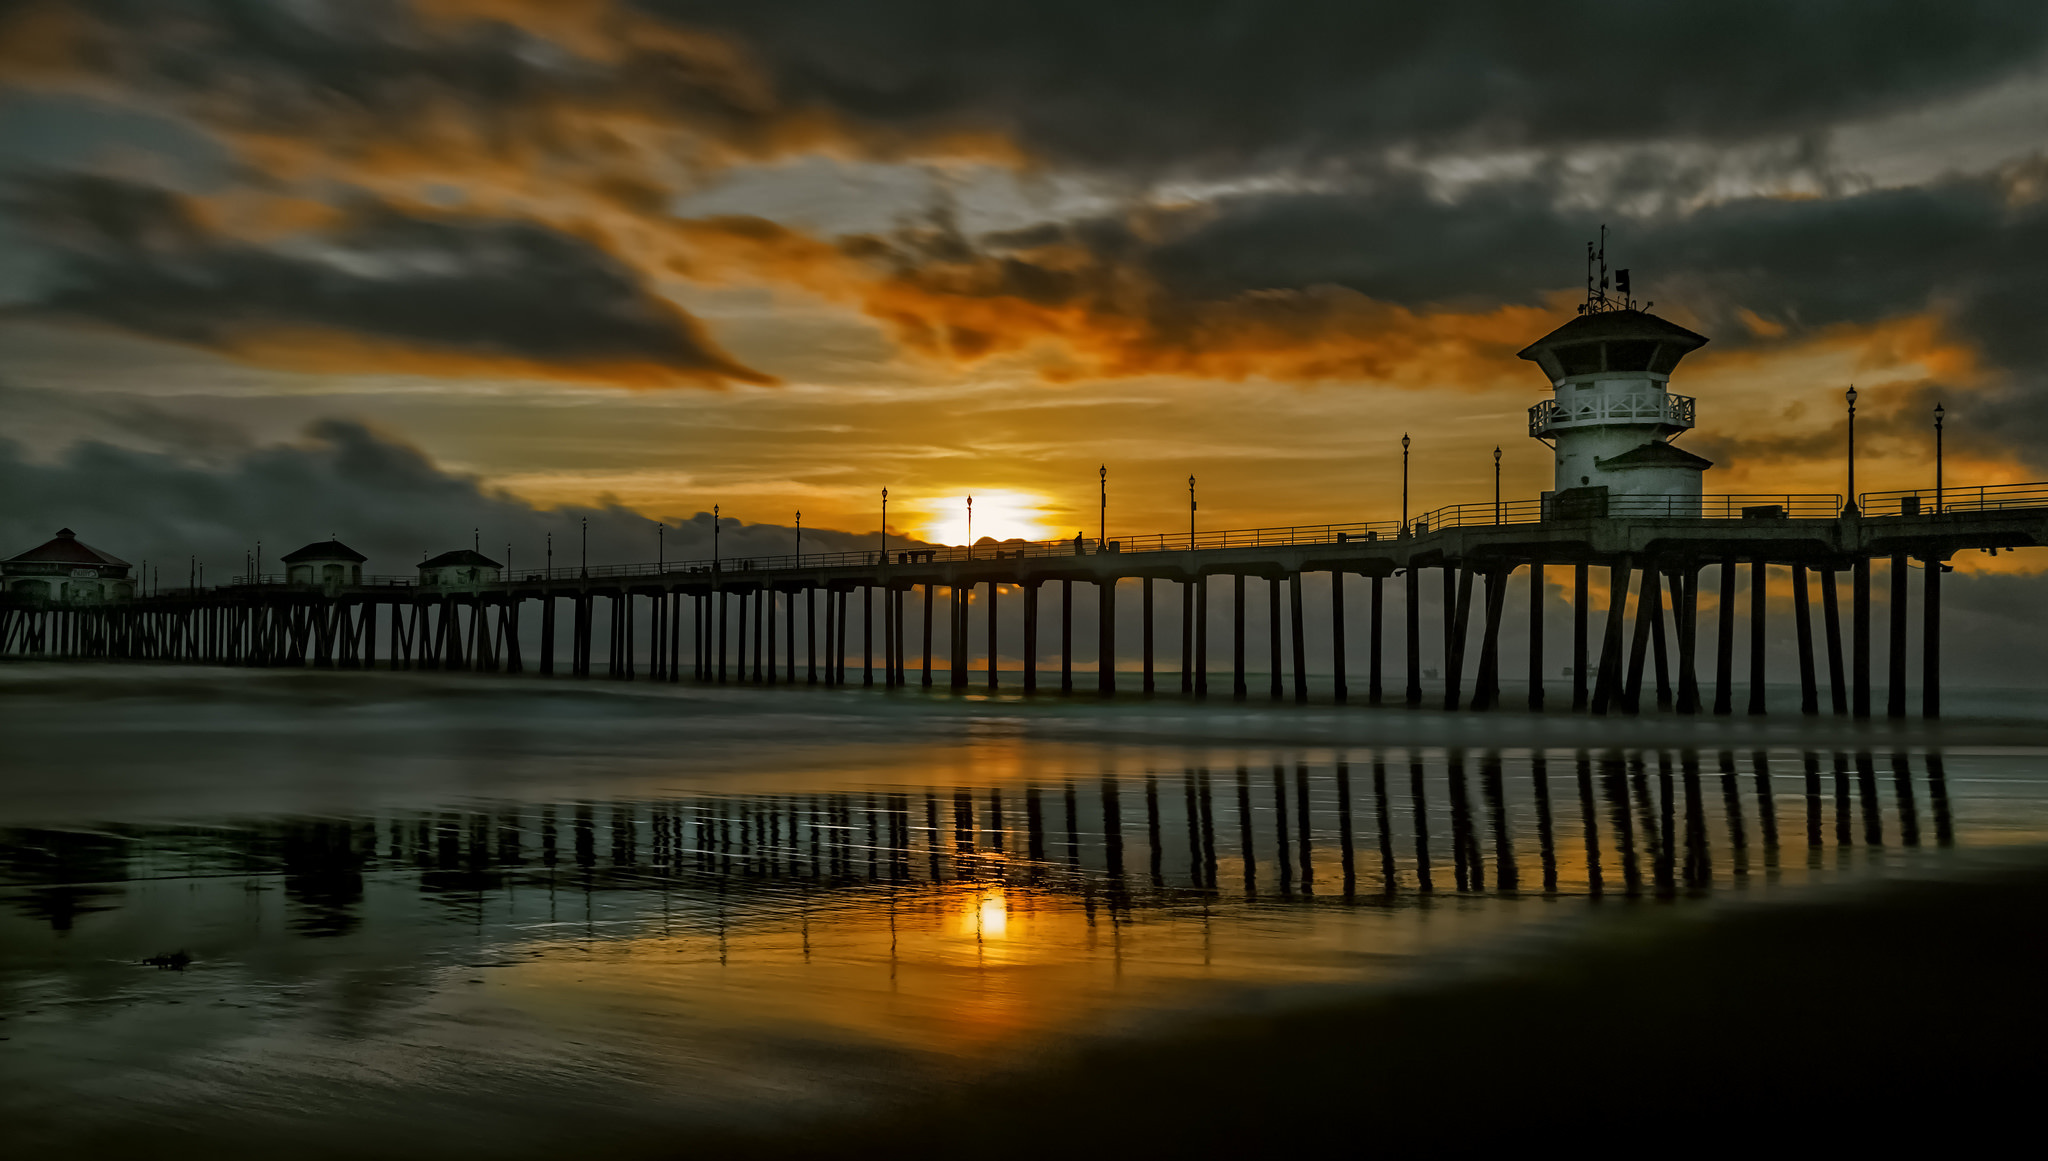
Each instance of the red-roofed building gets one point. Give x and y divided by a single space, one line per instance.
66 569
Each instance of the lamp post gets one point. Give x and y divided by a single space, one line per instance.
584 566
1191 513
660 545
1849 507
799 537
1939 412
550 572
885 526
1102 527
714 538
970 528
1404 483
1496 483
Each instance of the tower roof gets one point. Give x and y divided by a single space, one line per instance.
1656 454
1613 340
324 550
66 548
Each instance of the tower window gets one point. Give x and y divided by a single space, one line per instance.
1631 354
1579 358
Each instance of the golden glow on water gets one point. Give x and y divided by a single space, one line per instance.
992 916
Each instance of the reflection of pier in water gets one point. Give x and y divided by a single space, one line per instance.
1377 829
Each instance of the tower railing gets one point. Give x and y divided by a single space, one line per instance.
1661 407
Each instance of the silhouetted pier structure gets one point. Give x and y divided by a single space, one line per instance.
791 620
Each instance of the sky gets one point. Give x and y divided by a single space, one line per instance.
414 272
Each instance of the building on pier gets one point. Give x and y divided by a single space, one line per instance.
66 570
328 564
1611 416
458 569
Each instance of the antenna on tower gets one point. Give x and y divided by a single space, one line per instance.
1597 281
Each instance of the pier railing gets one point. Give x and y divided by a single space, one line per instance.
1925 501
1743 506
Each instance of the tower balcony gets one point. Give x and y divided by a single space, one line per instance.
1661 408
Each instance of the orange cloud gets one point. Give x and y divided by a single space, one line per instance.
1083 316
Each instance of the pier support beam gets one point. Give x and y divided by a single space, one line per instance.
1187 635
831 637
1457 613
1649 609
1274 666
1724 646
547 636
722 619
1340 687
1859 627
1486 687
957 627
1300 653
1759 604
839 650
1030 638
1582 595
1105 638
1375 691
927 604
1685 622
1413 613
994 644
1895 656
1201 618
1831 613
1605 688
1536 595
867 635
1238 692
1145 609
1930 638
1802 628
1066 638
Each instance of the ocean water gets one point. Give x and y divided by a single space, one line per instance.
459 914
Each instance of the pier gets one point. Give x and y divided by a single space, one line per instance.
792 620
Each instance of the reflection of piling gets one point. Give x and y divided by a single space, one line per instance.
1344 837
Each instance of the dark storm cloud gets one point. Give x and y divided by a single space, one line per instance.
1137 86
381 287
1147 83
378 494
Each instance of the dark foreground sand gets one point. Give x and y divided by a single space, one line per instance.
1912 1014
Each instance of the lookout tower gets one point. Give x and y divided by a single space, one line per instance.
1610 418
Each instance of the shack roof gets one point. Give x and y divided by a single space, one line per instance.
461 556
324 550
66 548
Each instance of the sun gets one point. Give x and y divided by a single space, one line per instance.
998 513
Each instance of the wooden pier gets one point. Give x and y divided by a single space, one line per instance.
790 620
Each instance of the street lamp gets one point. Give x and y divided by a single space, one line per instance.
660 543
1191 513
1849 508
584 564
714 538
1496 483
799 536
1102 528
1404 483
885 526
1939 412
970 528
551 556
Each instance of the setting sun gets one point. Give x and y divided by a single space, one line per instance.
998 513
